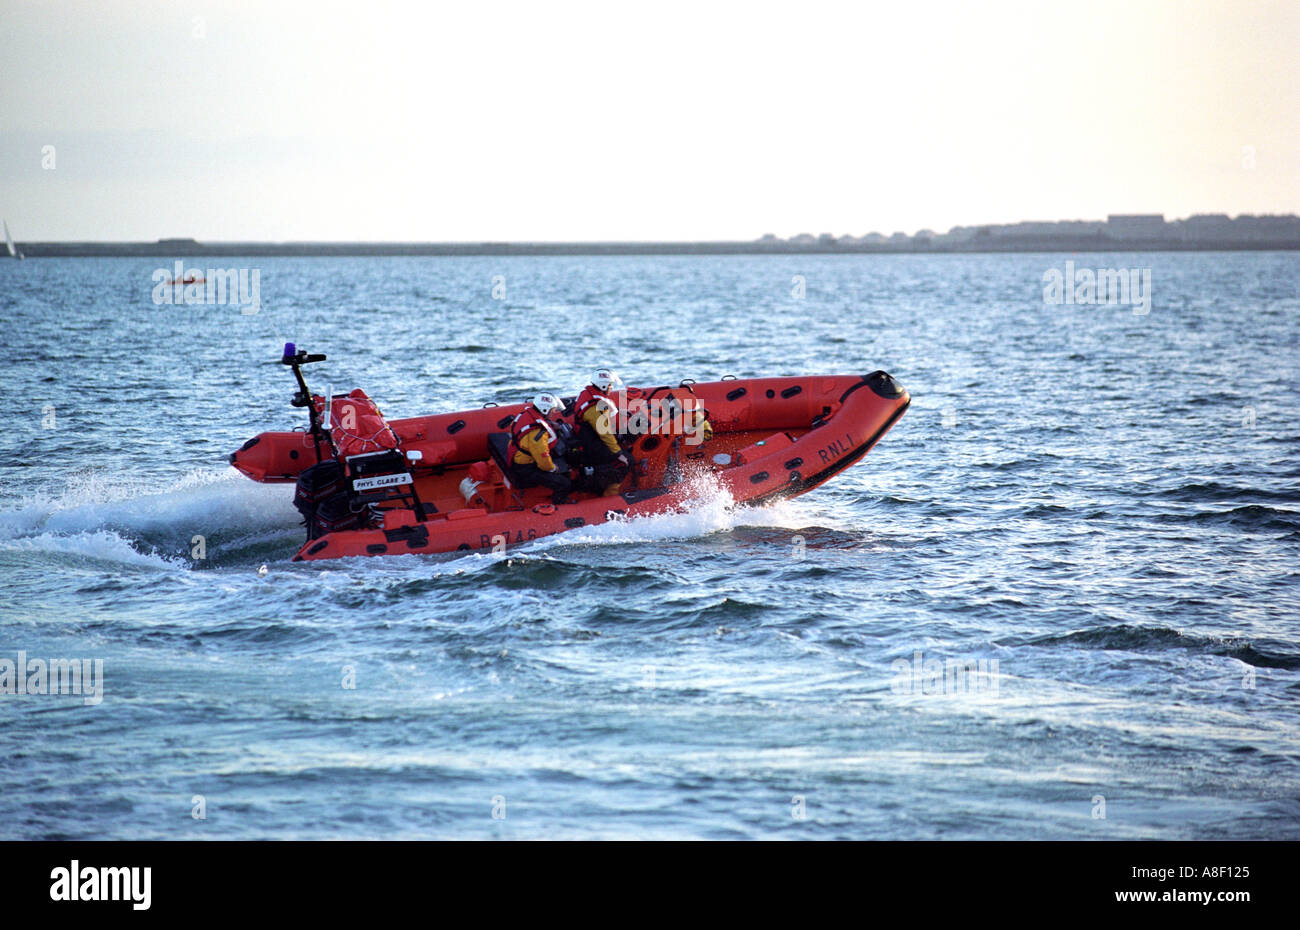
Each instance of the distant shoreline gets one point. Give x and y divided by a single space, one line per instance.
170 248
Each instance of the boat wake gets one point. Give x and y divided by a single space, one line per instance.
205 519
709 509
214 519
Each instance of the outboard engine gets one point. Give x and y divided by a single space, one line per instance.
324 498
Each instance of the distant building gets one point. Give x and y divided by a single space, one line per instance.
1044 230
1266 228
1081 227
1205 227
1213 230
1029 228
1136 225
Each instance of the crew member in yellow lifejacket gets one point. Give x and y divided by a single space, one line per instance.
536 449
596 415
698 428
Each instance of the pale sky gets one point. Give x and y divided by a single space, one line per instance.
679 121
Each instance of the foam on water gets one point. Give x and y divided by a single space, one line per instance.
710 509
115 516
100 545
202 502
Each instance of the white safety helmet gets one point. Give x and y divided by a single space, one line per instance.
544 403
607 380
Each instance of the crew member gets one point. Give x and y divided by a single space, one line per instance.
595 418
536 449
698 430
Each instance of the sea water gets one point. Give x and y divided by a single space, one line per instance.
1060 599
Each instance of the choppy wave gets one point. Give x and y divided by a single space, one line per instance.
1261 653
1198 491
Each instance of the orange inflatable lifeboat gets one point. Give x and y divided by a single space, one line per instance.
369 486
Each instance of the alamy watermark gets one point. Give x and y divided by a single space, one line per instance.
241 287
667 416
1113 286
84 677
80 882
944 676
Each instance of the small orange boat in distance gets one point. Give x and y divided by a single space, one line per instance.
369 486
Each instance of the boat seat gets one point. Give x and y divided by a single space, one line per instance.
499 446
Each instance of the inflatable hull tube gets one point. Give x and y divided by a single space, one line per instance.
773 438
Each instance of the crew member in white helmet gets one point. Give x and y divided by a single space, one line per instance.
595 419
536 449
